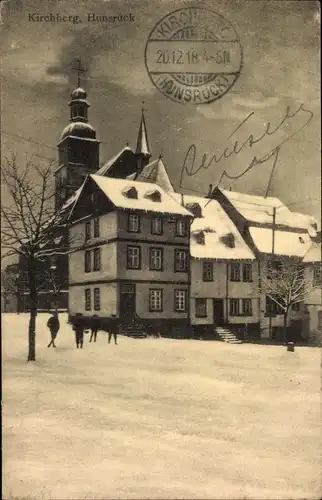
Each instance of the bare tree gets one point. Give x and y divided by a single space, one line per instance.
284 282
30 226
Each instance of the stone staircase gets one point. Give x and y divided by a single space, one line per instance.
134 330
226 335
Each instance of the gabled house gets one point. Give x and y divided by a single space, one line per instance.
223 271
134 266
272 232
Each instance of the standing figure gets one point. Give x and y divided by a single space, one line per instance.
79 331
114 333
94 327
53 325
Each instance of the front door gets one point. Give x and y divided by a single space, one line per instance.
218 305
127 302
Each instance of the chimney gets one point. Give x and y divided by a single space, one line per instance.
210 190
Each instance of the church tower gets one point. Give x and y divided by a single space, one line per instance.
78 149
142 151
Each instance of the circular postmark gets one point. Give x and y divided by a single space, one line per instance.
193 55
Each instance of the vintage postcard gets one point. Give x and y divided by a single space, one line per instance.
161 249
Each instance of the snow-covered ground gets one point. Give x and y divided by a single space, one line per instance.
158 418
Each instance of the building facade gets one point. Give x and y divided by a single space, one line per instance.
134 266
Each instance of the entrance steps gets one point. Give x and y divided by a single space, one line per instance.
227 336
134 330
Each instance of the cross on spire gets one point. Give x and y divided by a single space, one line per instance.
79 70
143 108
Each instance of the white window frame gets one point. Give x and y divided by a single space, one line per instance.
97 299
97 259
206 267
201 308
234 271
247 311
133 223
155 300
87 261
156 259
156 225
180 300
181 229
88 299
234 307
88 230
133 254
181 260
247 275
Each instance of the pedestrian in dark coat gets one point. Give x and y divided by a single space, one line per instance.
79 331
53 325
114 333
94 327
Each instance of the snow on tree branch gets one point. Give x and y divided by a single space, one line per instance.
283 280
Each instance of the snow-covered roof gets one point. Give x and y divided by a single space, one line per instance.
260 209
116 190
285 242
212 233
314 253
105 168
156 172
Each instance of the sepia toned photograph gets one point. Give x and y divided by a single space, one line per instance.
161 273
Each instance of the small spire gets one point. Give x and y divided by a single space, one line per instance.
142 146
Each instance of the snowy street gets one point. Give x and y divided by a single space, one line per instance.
157 418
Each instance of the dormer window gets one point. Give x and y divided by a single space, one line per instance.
153 195
200 238
195 209
130 192
228 240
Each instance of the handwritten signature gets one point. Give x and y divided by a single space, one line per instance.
189 165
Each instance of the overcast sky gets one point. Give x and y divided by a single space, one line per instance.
280 41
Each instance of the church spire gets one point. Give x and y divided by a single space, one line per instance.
142 146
